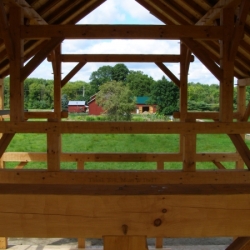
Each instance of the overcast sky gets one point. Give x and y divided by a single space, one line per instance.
123 12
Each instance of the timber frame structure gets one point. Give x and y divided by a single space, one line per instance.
126 207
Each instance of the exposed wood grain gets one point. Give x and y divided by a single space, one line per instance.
3 243
123 177
202 55
21 165
218 165
227 66
44 114
77 215
121 32
125 243
5 31
143 58
244 82
16 84
246 114
215 11
81 242
241 108
239 30
126 127
4 142
80 158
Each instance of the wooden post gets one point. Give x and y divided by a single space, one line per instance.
1 107
54 139
16 85
159 241
187 142
125 243
241 106
3 243
81 241
227 65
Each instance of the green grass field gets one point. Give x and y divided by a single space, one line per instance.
120 143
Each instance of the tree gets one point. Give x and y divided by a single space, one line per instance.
166 95
120 72
64 101
139 83
117 101
99 77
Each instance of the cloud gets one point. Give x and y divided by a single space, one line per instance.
122 12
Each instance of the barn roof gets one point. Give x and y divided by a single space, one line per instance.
76 103
141 99
177 12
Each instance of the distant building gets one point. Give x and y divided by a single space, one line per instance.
94 109
77 106
143 106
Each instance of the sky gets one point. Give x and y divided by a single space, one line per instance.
123 12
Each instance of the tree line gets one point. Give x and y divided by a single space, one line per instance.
38 93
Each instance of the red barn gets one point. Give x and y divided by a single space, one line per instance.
94 109
77 106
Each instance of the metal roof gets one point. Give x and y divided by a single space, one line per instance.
141 99
178 12
76 103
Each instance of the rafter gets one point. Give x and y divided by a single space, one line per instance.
215 11
5 141
5 31
28 11
239 28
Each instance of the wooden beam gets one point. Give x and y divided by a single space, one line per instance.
16 84
125 242
126 127
218 165
241 107
68 77
39 57
215 11
239 244
171 76
239 30
202 55
121 32
227 66
242 148
67 177
94 216
143 58
246 115
5 31
44 114
244 82
4 142
204 115
80 158
28 11
21 165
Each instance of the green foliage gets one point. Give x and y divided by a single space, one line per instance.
120 72
139 83
64 101
166 95
117 101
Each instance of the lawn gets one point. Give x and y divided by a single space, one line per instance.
120 143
